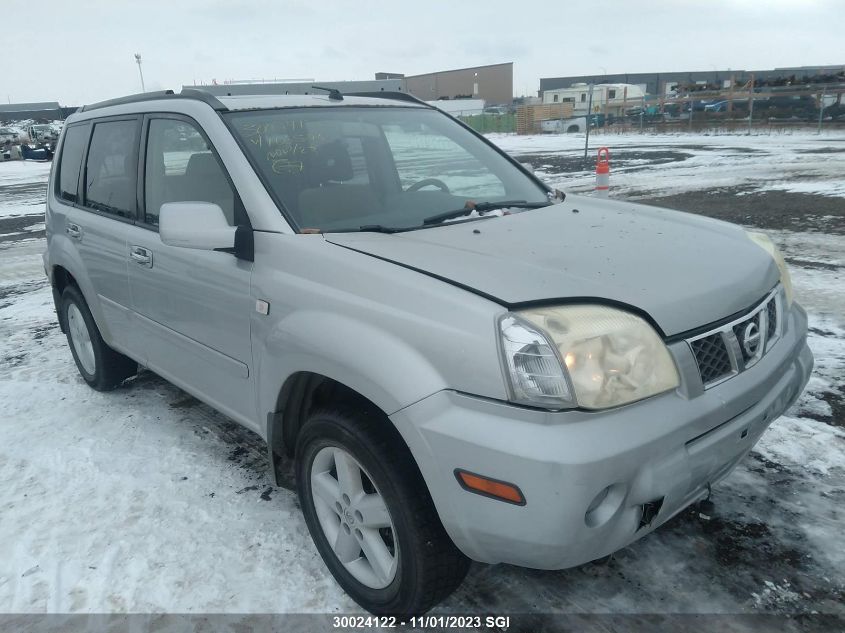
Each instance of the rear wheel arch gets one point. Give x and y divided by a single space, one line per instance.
61 279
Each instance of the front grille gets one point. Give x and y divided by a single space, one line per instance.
736 346
772 313
711 353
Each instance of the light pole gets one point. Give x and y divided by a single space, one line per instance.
589 112
821 111
140 72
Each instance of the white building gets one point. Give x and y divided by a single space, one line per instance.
607 98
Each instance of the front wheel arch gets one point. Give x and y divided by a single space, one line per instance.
302 393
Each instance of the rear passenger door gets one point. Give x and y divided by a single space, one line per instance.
99 214
192 307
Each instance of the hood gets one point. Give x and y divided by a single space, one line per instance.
684 271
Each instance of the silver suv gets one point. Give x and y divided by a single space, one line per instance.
459 362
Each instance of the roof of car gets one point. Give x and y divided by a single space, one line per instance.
259 102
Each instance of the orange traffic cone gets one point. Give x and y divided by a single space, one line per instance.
603 173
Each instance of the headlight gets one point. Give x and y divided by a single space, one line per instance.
763 241
590 356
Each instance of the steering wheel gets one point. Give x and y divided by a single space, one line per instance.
426 182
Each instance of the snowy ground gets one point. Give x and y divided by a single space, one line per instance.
144 500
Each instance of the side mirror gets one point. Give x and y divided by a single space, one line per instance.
200 225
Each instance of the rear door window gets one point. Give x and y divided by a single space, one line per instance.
70 161
111 168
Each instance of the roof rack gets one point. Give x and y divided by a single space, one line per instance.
396 96
187 93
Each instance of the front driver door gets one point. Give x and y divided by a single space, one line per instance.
191 307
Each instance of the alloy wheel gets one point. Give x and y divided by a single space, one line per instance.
354 517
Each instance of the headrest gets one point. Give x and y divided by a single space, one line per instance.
332 162
202 165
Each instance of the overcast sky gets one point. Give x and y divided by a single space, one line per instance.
78 51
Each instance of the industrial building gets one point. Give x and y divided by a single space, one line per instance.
661 84
492 83
42 111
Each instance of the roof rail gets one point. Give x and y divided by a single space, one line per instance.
187 93
396 96
202 95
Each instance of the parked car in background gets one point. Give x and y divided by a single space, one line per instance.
8 134
42 134
460 362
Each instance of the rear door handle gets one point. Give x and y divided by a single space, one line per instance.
141 256
73 231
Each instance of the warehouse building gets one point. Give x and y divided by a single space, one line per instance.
42 111
492 83
659 84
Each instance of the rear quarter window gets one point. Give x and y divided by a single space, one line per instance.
70 161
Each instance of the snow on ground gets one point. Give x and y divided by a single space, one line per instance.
144 500
23 187
791 161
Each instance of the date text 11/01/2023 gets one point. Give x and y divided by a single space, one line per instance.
498 623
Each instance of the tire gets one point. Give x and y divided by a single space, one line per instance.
98 364
427 567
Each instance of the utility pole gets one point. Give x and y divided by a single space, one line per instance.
589 112
821 110
642 113
690 110
750 103
140 72
731 98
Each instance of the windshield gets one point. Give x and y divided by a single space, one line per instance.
344 168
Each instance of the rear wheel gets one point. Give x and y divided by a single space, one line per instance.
370 514
98 364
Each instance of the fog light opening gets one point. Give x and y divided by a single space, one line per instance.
604 505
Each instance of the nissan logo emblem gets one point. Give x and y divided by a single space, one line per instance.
751 338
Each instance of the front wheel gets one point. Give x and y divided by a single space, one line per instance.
370 514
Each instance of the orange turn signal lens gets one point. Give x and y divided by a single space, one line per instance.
493 488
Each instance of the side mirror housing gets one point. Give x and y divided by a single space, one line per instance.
199 225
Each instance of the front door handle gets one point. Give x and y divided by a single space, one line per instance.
73 231
141 256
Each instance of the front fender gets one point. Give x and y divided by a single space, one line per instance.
378 365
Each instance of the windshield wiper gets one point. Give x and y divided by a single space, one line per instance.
481 207
379 228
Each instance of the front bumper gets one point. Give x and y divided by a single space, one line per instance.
587 476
